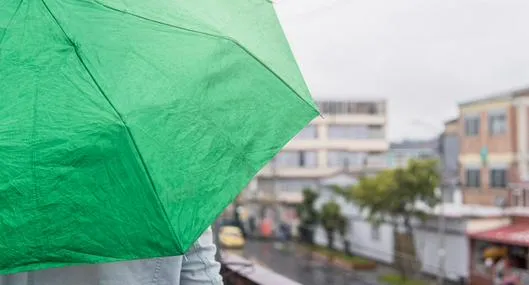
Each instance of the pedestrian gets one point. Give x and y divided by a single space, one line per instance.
196 267
252 224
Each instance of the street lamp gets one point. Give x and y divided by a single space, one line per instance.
441 219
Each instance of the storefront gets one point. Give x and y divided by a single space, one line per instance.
500 256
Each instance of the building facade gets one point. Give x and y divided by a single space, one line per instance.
494 145
449 148
349 137
375 242
402 152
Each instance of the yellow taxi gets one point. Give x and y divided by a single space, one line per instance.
231 237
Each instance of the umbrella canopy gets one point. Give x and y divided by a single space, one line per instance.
127 126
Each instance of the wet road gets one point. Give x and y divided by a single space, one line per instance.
299 267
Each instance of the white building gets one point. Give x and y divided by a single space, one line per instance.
350 135
445 249
400 153
374 242
433 240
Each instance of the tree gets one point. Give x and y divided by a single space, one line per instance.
308 216
393 196
343 222
331 217
342 230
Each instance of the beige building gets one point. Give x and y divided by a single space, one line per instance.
494 147
349 138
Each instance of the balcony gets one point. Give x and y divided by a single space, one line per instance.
373 165
280 196
374 143
519 196
351 119
329 107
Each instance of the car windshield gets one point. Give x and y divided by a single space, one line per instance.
231 232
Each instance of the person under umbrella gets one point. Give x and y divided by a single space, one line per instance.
127 127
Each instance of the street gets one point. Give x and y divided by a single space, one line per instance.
301 268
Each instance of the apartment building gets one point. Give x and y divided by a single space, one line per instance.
400 153
349 139
449 146
494 145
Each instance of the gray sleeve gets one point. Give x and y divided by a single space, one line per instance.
199 266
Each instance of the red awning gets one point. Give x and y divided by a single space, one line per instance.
511 235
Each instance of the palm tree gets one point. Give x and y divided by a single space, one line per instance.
342 230
308 215
331 217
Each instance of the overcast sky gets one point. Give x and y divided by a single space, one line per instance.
423 56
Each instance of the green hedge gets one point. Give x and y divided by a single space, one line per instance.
394 279
334 253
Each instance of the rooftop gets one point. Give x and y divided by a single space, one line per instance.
415 144
451 121
457 210
350 107
501 96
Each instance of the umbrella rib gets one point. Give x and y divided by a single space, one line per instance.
129 133
232 40
10 21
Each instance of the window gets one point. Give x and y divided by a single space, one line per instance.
308 159
310 132
375 233
498 178
472 126
302 158
346 159
473 178
295 159
376 132
497 123
295 185
377 159
348 132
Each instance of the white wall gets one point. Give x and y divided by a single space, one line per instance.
364 244
359 232
428 242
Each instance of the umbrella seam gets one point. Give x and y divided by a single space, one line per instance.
10 22
232 40
134 144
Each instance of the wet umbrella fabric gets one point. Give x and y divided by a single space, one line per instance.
127 126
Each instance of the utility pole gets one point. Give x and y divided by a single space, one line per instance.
275 195
441 227
276 203
441 219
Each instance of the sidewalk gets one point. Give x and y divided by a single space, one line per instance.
256 273
300 268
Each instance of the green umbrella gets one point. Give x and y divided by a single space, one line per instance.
127 126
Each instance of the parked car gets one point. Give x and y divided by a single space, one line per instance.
231 237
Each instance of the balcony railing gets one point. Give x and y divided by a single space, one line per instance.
378 134
352 107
